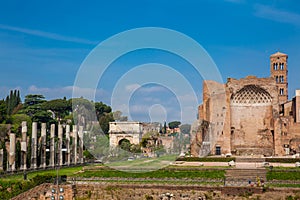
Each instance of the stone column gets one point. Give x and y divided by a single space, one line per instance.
68 157
1 159
75 144
43 140
12 151
80 135
52 145
34 146
24 146
59 148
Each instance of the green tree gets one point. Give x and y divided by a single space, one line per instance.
104 122
18 155
185 128
12 101
2 111
32 104
60 107
174 124
16 121
4 155
82 109
135 148
28 155
4 128
100 146
118 116
42 116
125 145
101 109
33 99
164 129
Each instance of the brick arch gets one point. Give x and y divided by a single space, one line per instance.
251 95
122 137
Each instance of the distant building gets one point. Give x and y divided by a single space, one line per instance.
250 116
151 127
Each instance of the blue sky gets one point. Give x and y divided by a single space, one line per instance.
42 46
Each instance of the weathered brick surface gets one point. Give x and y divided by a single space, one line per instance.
249 116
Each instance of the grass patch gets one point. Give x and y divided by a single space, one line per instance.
283 175
148 162
12 185
196 167
11 188
205 159
164 182
288 185
282 160
162 173
51 172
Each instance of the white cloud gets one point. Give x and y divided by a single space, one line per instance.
60 92
153 89
47 35
132 87
277 15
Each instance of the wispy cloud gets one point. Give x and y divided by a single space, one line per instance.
60 92
277 15
134 87
47 35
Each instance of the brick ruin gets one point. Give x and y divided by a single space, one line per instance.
249 116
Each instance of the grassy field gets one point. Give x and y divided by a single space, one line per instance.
12 185
175 175
157 163
162 173
284 174
63 171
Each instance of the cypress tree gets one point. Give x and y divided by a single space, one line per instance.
18 98
4 155
18 155
28 159
12 101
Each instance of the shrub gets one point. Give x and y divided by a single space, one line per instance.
282 160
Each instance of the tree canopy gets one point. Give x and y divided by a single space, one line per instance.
185 128
174 124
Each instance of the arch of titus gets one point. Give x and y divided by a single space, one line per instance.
132 131
62 146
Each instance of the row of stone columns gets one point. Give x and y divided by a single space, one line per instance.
55 150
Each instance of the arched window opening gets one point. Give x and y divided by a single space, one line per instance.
281 66
281 79
281 91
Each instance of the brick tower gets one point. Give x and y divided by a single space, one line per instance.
278 65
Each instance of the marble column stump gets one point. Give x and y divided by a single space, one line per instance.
34 146
24 146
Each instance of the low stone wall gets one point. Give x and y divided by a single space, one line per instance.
173 192
100 190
